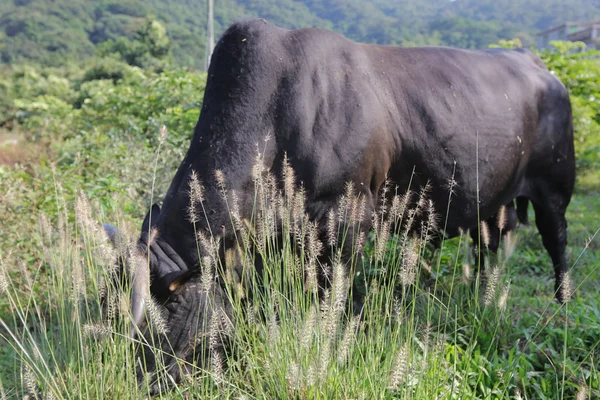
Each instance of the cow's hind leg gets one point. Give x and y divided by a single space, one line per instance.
522 205
552 225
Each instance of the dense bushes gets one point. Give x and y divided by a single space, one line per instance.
579 70
99 136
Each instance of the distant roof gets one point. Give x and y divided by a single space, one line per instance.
567 24
584 34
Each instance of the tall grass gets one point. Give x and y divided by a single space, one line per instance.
345 314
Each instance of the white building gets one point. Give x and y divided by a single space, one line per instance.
586 32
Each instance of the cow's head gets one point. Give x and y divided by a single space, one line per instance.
179 311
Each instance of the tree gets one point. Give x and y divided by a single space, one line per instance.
149 49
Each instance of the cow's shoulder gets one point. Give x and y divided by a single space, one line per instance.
532 57
247 40
248 29
518 57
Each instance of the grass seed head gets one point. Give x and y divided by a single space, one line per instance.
347 340
501 220
289 179
502 300
98 331
426 335
298 209
359 242
235 212
4 283
207 277
382 238
311 376
509 244
259 168
311 276
217 366
331 228
112 304
273 332
432 220
518 394
566 288
485 234
159 323
399 371
196 194
78 279
340 284
209 245
410 259
163 133
45 229
221 184
492 286
395 208
308 328
314 245
582 393
29 381
83 214
293 377
106 255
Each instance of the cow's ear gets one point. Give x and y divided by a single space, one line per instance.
176 280
151 217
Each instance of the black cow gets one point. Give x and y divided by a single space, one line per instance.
496 121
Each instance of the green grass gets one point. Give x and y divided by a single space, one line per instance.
450 337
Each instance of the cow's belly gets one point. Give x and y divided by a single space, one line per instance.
467 184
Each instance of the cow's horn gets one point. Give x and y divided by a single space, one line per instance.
117 238
140 291
139 275
112 232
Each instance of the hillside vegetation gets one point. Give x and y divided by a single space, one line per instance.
60 31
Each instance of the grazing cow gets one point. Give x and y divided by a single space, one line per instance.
496 122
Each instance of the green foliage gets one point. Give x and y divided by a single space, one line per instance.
100 134
579 70
465 33
507 44
27 82
149 49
